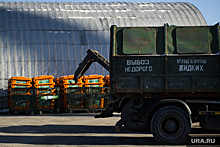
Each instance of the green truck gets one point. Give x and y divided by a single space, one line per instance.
163 79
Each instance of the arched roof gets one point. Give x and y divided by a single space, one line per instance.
99 16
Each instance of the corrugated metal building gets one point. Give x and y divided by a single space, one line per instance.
52 38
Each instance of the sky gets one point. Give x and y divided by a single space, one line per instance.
209 8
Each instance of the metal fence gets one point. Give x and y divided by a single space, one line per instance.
39 100
34 100
89 99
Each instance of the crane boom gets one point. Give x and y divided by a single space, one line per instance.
92 56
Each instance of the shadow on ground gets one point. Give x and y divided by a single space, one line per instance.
78 140
66 129
72 135
78 135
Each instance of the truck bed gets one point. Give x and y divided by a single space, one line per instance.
169 60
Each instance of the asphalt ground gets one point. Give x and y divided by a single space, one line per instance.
76 130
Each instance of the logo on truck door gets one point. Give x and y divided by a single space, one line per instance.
138 66
191 64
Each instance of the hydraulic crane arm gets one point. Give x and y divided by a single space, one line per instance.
92 56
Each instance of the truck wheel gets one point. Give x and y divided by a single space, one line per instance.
170 125
129 124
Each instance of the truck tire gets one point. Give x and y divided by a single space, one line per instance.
129 124
170 125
